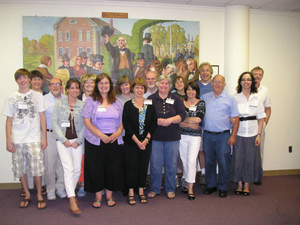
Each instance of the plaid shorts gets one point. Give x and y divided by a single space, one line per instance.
28 155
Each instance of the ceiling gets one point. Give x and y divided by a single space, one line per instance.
274 5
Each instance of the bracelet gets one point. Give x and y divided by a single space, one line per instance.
147 138
258 134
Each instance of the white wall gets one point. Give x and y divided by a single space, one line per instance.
265 38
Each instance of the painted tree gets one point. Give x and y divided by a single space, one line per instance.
158 34
178 37
48 41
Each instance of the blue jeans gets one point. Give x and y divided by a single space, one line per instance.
163 152
216 148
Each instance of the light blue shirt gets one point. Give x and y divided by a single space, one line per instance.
50 100
219 111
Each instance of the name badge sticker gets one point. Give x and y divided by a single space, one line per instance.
148 102
101 109
65 123
170 101
22 105
193 108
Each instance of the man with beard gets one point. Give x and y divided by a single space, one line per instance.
151 78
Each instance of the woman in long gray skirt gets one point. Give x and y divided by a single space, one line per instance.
246 151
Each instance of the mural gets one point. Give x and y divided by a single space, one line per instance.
79 45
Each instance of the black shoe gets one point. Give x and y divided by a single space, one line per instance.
208 191
258 182
222 194
184 190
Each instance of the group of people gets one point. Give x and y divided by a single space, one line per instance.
121 129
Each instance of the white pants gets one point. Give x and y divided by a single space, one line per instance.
189 148
71 161
54 173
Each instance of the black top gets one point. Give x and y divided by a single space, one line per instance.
130 121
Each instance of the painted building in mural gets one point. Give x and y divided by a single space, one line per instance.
75 35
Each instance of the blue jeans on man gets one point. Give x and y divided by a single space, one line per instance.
216 150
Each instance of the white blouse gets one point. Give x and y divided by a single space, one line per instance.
252 107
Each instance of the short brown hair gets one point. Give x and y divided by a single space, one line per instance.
139 81
258 68
21 72
71 81
36 73
45 59
122 79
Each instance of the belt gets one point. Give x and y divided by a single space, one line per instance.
225 131
49 130
247 118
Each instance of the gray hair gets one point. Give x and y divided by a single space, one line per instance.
162 77
173 67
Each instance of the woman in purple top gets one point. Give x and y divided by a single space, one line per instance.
102 116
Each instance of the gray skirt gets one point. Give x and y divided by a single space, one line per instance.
246 160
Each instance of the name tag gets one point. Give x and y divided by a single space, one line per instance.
101 109
148 102
170 101
22 105
65 123
193 108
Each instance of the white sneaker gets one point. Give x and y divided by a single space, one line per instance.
61 193
51 196
81 192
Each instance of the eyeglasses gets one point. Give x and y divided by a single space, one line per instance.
54 84
246 79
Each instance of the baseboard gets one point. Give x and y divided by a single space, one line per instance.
281 172
4 186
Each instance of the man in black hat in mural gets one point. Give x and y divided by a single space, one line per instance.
66 64
140 70
147 49
84 62
121 56
97 64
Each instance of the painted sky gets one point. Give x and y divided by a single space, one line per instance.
34 27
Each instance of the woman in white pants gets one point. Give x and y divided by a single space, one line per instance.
68 130
191 134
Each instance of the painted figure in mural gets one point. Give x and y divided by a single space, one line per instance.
171 71
193 72
84 62
147 49
140 69
182 68
78 70
43 68
97 64
121 58
155 65
66 64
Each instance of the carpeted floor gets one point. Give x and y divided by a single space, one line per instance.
277 201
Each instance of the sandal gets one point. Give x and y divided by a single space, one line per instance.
39 203
143 199
131 200
246 193
191 196
171 195
110 202
44 191
97 204
22 193
24 203
152 194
